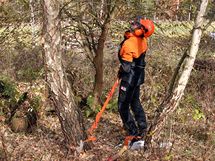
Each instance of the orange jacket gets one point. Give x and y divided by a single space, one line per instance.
133 47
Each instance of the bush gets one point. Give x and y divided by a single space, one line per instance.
8 94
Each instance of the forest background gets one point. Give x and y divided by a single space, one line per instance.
90 34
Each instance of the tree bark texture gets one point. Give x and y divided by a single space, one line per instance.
170 104
98 64
69 114
31 5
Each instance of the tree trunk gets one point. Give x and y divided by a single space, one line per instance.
68 113
98 63
170 104
31 5
102 9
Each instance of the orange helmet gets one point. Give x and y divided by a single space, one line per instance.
141 27
148 26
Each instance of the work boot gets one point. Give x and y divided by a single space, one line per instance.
136 144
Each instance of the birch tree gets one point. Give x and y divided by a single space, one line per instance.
171 102
68 113
31 5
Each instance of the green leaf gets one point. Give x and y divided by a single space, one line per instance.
198 114
89 112
90 101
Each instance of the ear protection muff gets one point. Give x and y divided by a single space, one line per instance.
138 32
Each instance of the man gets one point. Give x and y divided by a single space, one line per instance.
131 73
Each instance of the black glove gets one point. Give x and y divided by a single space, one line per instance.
119 75
120 71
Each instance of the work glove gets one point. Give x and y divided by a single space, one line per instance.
120 71
119 74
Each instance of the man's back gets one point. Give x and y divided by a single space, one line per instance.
133 47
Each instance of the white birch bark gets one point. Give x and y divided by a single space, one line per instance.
31 4
68 112
102 9
170 105
196 38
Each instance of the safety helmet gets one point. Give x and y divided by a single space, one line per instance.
149 27
141 27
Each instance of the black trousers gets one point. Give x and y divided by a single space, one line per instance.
129 99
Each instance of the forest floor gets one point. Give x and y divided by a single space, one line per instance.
186 141
189 134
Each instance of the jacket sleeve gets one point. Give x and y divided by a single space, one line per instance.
126 56
127 51
125 71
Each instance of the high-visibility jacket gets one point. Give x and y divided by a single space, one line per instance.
133 47
132 59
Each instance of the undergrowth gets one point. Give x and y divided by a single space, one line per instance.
190 129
